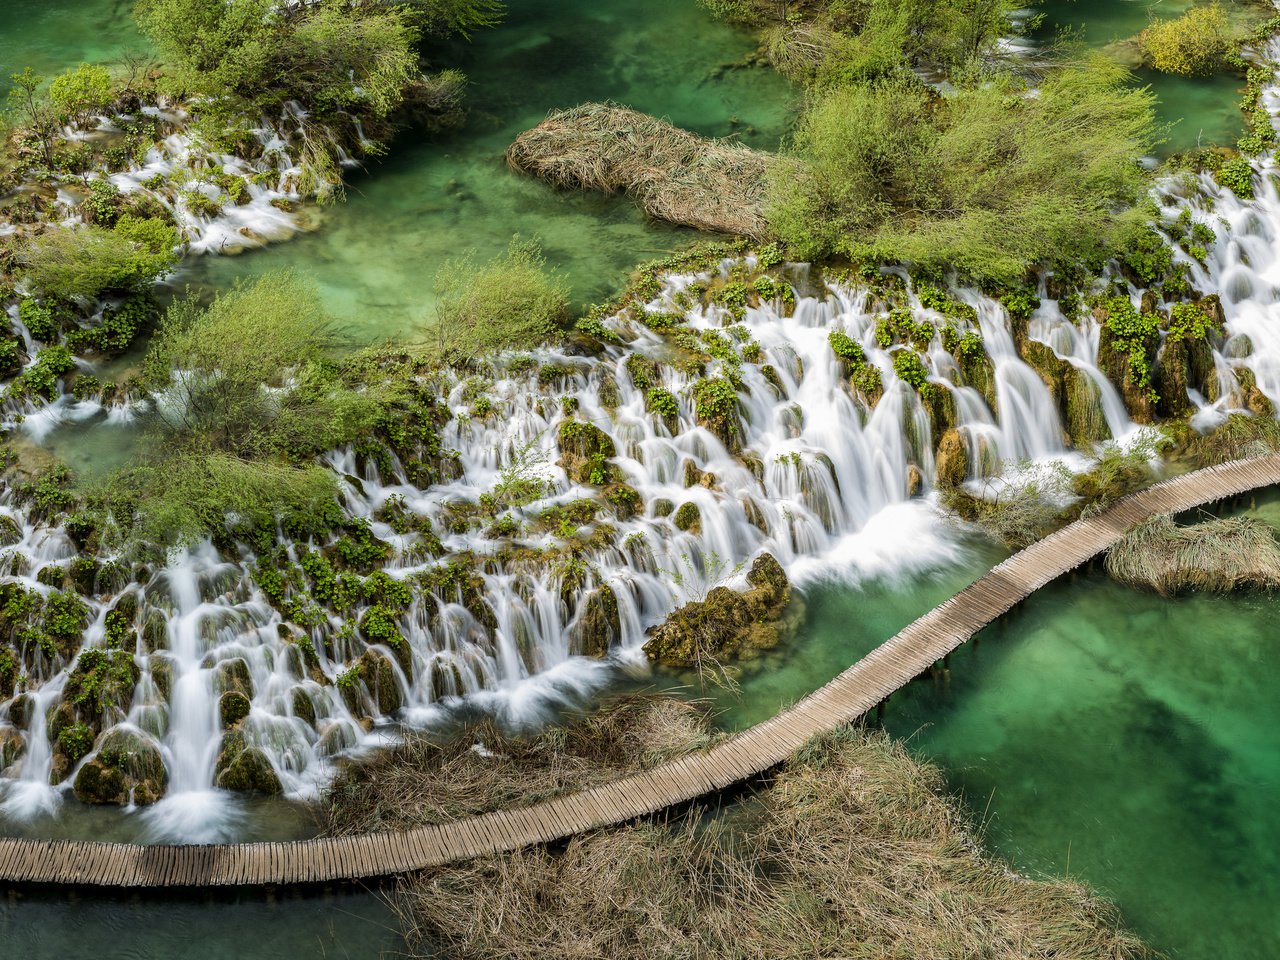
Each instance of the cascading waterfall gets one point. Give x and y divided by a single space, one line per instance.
827 482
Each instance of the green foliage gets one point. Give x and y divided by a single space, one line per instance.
911 369
716 401
81 92
101 679
1188 322
512 302
1132 333
65 615
845 347
1147 255
462 17
40 320
1194 44
89 262
1261 133
76 741
41 378
989 180
663 403
330 54
118 328
1236 175
102 206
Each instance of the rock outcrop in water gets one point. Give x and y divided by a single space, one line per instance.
125 768
727 624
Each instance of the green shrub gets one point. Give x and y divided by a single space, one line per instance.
102 206
41 378
512 302
40 320
1236 175
81 92
1194 44
90 261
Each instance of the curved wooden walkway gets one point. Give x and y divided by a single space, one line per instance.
858 689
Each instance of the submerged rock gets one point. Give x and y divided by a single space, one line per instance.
243 768
127 768
726 623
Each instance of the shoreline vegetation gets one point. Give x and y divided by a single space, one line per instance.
851 848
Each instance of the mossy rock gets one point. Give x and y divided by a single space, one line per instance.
585 452
232 708
161 666
915 480
233 676
769 586
1051 368
126 768
1250 394
688 518
244 769
155 631
952 460
695 477
624 499
598 626
662 507
1084 418
711 628
1171 380
10 532
83 574
381 680
979 374
303 706
1119 368
445 677
20 710
12 746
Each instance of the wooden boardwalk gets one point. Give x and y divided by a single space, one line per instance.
854 692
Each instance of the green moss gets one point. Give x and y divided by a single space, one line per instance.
76 741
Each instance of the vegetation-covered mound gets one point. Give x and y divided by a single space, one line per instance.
852 852
675 175
1219 555
485 768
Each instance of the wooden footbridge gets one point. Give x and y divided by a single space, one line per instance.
857 690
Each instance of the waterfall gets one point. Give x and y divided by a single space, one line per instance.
502 601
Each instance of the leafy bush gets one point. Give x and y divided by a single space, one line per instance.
1195 44
1236 175
88 262
510 303
80 92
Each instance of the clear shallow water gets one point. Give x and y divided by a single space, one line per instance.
1126 739
347 925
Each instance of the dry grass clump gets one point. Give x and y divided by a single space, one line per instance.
675 175
484 768
852 852
1238 437
1218 555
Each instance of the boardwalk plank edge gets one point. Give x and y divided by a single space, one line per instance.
908 654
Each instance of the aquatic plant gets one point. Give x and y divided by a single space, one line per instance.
1194 44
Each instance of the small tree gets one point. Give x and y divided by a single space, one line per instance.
30 108
89 261
80 93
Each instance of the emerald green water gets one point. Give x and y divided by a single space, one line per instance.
1193 110
1128 740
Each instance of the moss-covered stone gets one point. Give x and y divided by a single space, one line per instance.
12 745
233 675
303 707
20 710
915 480
10 532
155 631
688 518
381 680
1083 418
126 768
952 460
232 708
727 624
243 768
598 626
161 666
585 453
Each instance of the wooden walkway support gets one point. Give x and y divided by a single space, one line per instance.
857 690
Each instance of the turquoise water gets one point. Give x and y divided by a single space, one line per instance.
1128 740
